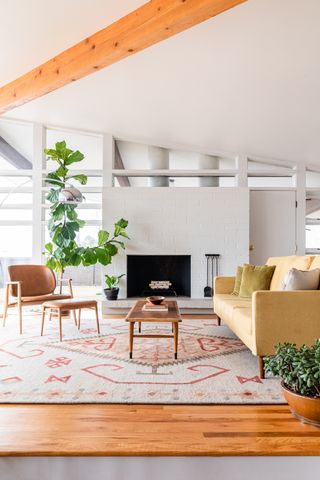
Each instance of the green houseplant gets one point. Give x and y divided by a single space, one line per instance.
112 283
299 369
64 224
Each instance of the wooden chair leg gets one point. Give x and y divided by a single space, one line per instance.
97 318
79 317
60 324
20 317
75 317
20 307
5 306
42 319
261 367
139 327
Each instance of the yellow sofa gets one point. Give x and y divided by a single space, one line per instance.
271 316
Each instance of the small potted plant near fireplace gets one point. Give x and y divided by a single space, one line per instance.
299 369
112 283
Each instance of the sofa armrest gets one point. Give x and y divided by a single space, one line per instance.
224 284
285 316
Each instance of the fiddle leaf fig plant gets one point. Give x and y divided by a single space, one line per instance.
299 368
63 250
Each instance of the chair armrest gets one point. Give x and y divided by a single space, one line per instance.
9 291
285 316
224 284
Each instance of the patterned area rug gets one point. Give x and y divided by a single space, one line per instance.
213 367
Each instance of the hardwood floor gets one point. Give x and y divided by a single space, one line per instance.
153 430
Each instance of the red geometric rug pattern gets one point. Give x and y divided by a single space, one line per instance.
213 366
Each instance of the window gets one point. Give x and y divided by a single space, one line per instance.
16 197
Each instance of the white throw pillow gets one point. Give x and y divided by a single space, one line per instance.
301 280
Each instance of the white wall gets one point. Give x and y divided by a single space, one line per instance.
158 468
182 221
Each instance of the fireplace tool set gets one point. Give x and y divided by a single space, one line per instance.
213 267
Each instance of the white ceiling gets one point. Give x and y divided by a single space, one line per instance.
245 81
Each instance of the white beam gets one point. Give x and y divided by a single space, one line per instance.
39 144
300 184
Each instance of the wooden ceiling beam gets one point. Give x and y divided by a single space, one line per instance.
153 22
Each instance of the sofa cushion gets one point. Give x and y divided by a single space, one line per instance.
237 282
224 305
255 278
301 280
284 264
315 262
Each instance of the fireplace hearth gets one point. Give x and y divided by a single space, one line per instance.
142 270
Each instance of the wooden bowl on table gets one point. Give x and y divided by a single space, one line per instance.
155 299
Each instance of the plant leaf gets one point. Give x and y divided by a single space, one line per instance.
103 237
83 179
74 157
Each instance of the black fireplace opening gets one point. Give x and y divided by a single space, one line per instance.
144 269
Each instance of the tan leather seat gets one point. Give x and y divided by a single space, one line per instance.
71 303
44 298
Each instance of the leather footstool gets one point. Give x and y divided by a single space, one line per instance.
58 306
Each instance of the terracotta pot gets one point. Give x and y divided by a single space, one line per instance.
305 409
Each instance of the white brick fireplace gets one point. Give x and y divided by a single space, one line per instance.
181 221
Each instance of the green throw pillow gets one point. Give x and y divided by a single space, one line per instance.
237 282
255 278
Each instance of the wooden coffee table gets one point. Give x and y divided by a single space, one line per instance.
138 315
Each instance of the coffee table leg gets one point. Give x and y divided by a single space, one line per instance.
139 327
131 330
175 335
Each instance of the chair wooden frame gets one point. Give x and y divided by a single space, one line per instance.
19 302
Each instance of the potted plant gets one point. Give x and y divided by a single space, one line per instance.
63 250
113 290
299 369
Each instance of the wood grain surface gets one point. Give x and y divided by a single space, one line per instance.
153 430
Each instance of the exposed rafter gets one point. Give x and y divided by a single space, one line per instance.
9 153
153 22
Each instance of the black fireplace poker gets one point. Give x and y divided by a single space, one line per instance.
213 265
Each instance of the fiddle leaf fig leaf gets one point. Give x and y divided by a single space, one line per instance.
49 247
83 179
122 223
74 157
103 237
103 256
53 179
